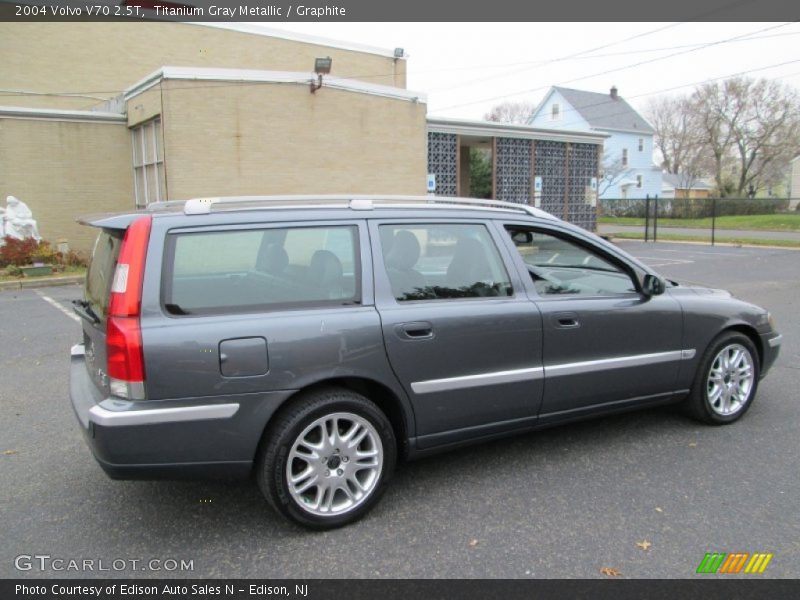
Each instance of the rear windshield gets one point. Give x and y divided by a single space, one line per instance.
237 271
101 270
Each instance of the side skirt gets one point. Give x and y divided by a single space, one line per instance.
450 440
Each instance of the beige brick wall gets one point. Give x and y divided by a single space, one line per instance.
223 139
101 59
144 106
63 169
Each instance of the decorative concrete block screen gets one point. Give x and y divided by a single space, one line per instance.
582 167
443 161
513 170
550 160
566 170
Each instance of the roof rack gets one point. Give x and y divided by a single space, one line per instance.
201 206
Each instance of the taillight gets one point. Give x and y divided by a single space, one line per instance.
123 326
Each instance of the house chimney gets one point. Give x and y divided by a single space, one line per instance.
613 92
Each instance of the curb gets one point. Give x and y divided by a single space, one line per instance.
18 284
614 240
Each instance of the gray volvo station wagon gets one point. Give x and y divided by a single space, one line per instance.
316 341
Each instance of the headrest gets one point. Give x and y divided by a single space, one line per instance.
405 251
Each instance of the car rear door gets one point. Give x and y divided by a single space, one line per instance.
460 333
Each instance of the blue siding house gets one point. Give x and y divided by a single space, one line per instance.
627 170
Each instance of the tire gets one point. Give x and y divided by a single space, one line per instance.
723 389
354 471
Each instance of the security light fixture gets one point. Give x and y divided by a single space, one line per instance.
322 66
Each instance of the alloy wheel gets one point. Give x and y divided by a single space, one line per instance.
335 464
730 379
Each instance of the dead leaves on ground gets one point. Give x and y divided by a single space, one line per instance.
9 452
644 545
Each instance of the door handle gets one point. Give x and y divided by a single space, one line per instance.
566 320
419 330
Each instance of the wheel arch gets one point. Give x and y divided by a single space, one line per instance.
386 399
750 332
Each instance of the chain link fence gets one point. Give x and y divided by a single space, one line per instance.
744 221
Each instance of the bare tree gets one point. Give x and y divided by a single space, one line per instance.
678 136
750 127
614 171
511 112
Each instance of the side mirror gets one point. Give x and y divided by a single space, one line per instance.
653 285
522 237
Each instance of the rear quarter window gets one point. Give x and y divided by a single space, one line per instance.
267 269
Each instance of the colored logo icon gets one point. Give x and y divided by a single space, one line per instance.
736 562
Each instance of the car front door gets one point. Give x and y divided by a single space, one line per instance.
460 332
606 344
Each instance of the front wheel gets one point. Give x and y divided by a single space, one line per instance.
726 381
327 458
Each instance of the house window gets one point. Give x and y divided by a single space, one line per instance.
624 157
149 181
555 112
638 181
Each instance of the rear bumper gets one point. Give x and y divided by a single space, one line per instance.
771 344
153 439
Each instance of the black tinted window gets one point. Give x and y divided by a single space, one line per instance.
244 270
432 262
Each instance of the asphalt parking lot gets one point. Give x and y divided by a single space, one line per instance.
564 502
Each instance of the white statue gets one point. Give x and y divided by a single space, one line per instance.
18 220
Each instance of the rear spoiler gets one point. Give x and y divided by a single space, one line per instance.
110 220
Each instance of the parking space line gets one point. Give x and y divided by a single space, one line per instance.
694 251
665 261
58 306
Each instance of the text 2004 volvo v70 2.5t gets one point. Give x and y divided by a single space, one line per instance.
317 340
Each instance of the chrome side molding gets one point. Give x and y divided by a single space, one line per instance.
111 418
559 370
468 381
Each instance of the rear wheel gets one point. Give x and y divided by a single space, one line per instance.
726 381
327 458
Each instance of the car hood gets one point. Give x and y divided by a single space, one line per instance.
681 288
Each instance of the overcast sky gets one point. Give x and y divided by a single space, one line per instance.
466 68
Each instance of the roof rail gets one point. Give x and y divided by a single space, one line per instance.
197 206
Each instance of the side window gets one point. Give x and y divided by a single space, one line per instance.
560 266
435 262
237 271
